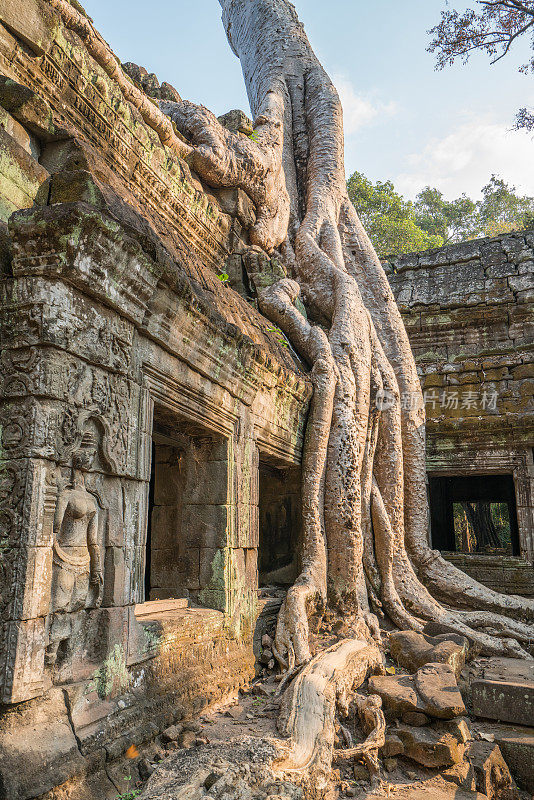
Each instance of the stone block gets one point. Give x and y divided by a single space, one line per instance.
523 371
116 577
393 746
432 691
506 693
207 482
237 121
19 134
35 599
212 568
166 527
520 283
492 776
24 670
413 650
38 750
215 598
27 107
22 178
32 20
208 525
517 747
429 747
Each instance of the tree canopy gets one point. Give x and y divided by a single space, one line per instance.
493 28
397 225
389 219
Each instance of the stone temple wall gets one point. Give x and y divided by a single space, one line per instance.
468 310
138 394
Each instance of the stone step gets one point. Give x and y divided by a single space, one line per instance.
159 606
505 692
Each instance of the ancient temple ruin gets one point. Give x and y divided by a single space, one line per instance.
152 419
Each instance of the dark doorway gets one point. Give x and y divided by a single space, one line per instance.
279 520
187 524
165 556
474 514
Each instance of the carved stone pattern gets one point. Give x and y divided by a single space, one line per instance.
75 100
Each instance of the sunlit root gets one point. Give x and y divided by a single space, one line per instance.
308 708
373 724
223 159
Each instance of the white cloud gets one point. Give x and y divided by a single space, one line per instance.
464 159
358 110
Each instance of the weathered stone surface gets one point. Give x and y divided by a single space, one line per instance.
436 687
22 178
415 718
32 21
491 771
393 746
503 701
430 747
237 122
432 690
397 693
39 727
412 650
506 692
517 747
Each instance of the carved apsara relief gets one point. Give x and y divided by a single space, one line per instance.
77 578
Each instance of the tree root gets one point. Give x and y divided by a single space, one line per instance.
373 723
307 714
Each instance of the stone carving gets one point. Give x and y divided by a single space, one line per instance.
77 571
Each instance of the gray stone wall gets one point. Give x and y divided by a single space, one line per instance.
468 310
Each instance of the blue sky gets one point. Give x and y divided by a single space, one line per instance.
403 120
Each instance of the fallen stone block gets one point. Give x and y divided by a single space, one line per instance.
517 747
492 775
506 702
429 747
413 650
505 692
462 774
437 689
459 728
393 746
432 690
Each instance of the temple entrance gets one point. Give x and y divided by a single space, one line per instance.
280 524
187 495
474 514
165 545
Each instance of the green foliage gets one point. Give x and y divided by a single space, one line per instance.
492 27
452 220
279 335
131 795
388 218
223 277
253 136
396 225
501 210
